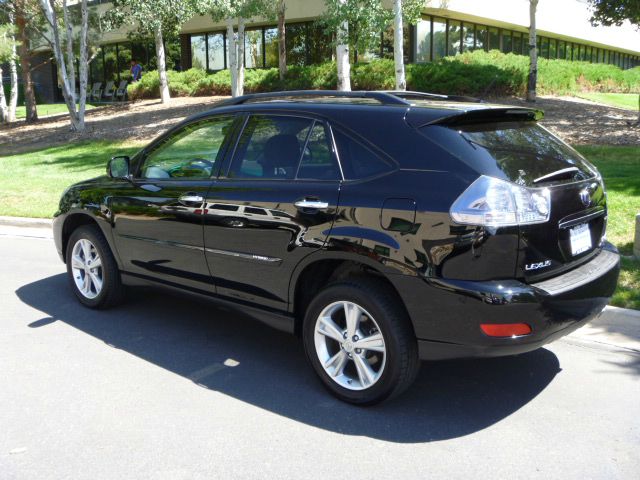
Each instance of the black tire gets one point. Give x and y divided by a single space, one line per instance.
402 362
112 291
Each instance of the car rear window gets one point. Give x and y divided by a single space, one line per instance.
523 152
357 160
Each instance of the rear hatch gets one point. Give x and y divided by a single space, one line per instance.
515 148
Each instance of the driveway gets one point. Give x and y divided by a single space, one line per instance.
171 387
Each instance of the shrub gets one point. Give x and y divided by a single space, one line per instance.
475 73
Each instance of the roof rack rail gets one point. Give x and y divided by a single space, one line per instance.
433 96
386 98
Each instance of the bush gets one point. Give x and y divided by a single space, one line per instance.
476 73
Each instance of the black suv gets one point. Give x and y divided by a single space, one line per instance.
381 227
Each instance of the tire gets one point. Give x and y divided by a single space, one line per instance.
392 360
89 240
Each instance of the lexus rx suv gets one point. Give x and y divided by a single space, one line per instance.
380 227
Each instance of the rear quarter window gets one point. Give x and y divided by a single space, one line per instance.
357 160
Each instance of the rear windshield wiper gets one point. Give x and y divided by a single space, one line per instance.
557 173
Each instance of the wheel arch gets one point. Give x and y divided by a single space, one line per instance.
323 268
76 219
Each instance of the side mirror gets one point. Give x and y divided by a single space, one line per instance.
118 167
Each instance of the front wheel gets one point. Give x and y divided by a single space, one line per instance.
359 341
92 270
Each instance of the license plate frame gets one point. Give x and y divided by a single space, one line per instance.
580 239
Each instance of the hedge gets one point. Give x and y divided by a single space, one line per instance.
475 73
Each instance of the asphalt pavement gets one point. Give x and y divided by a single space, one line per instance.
168 387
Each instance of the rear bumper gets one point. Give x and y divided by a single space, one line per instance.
447 314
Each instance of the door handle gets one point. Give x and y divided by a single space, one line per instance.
191 198
311 204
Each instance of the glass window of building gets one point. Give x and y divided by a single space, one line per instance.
96 68
455 32
439 38
140 54
517 43
199 51
319 48
253 49
468 37
173 54
494 39
215 51
507 41
385 49
296 43
110 63
271 47
553 48
423 41
124 58
544 47
562 47
481 38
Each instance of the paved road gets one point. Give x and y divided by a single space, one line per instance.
168 387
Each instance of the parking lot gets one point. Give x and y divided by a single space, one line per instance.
172 387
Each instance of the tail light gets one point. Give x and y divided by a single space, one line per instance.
493 202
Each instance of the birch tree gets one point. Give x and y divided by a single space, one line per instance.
356 24
411 11
236 13
157 19
8 54
63 49
26 12
533 53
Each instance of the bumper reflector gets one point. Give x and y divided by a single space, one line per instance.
505 329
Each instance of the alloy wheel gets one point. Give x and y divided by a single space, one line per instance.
86 267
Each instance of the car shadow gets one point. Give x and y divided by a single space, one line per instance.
223 350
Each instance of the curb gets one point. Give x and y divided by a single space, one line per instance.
26 222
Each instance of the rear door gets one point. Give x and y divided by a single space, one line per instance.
275 204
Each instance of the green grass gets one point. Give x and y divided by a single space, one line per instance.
48 109
620 167
628 101
31 185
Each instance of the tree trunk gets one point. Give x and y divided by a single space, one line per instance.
398 46
67 88
25 64
84 64
282 45
4 112
13 75
240 75
71 58
533 53
233 55
162 67
342 59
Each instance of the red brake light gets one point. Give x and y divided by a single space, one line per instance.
505 329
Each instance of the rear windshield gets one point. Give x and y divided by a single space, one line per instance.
522 152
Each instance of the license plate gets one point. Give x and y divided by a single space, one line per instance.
580 239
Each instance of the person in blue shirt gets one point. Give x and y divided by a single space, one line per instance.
136 71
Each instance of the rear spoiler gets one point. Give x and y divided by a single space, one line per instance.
491 114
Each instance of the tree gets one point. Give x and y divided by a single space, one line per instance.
8 54
26 12
156 18
533 53
411 11
615 12
66 65
356 24
236 13
282 45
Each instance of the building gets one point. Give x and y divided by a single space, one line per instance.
458 26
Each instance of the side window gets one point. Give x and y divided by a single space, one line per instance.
192 152
270 147
318 161
357 160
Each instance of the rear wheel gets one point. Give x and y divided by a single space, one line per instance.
92 270
359 341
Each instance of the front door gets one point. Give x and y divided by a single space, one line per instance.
275 205
158 223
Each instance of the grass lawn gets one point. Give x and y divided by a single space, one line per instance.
48 109
31 185
620 100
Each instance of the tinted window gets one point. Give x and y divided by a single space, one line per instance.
357 160
318 161
255 211
192 152
270 147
